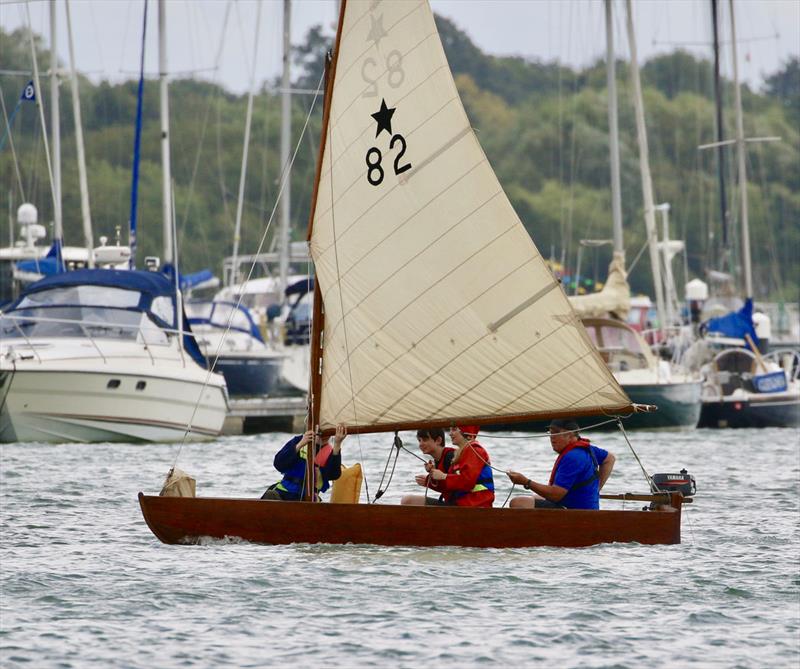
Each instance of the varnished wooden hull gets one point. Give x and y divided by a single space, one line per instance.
187 520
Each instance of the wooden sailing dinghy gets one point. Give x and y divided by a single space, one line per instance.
432 307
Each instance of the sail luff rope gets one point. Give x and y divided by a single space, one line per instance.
284 177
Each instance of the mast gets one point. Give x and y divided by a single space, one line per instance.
644 166
166 177
137 143
723 200
613 134
740 154
55 125
86 214
318 316
243 171
40 104
286 130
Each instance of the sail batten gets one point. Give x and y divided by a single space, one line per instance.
438 307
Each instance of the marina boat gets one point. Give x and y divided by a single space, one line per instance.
437 309
230 340
645 378
102 355
744 389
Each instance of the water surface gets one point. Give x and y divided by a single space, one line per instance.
83 582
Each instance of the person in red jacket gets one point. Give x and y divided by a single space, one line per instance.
431 443
468 481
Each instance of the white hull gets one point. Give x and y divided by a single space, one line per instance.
120 398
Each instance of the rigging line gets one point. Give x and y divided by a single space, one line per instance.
11 145
543 435
204 127
636 259
284 179
510 492
648 478
381 489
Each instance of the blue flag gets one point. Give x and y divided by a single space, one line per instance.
28 93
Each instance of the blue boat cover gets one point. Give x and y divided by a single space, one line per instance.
52 263
149 284
300 287
735 324
225 319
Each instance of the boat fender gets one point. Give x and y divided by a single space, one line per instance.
178 484
347 488
682 482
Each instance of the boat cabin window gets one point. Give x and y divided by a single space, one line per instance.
100 296
222 312
199 310
164 308
621 339
95 322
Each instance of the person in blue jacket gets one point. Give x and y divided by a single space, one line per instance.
580 471
291 462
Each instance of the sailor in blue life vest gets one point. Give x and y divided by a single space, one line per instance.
291 462
578 475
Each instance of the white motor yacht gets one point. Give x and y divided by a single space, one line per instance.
103 355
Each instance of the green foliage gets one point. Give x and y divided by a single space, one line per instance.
544 128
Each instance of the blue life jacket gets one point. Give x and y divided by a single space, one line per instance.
485 482
292 485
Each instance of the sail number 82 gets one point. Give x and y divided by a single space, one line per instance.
374 157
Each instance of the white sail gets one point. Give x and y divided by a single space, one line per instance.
438 306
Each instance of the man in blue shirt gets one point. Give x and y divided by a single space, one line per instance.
580 471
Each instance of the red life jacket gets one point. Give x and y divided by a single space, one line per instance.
443 464
580 443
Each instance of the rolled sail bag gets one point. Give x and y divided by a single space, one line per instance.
347 488
178 484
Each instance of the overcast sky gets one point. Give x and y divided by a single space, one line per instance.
107 33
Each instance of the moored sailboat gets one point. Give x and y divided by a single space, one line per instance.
432 307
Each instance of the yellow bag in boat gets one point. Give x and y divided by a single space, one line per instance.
347 488
178 484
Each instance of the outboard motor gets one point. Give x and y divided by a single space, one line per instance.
683 482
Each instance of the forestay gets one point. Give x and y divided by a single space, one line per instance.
438 306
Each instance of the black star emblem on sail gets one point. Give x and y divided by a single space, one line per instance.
383 117
376 30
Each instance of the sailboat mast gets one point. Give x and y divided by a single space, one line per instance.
318 316
40 105
613 134
166 177
647 182
86 214
286 131
243 171
740 154
723 200
55 125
